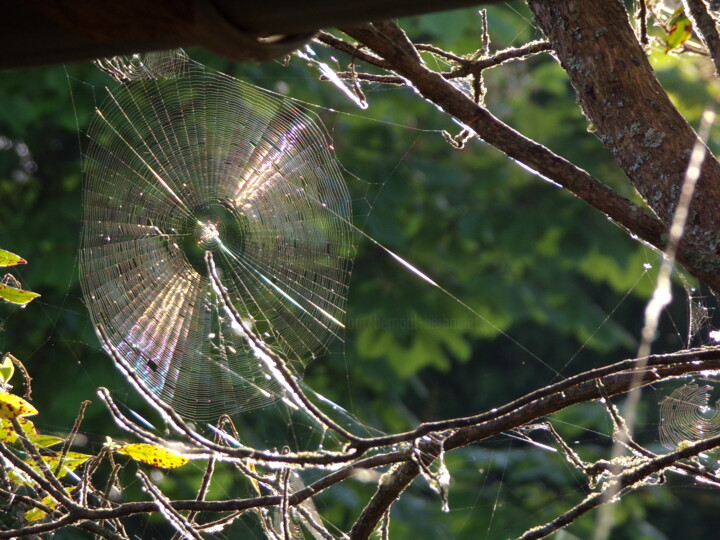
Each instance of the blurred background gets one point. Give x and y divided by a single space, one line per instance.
558 287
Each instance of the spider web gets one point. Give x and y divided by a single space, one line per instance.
208 234
686 416
196 163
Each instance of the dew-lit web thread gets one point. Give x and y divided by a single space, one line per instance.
698 312
685 415
204 162
274 366
698 316
152 65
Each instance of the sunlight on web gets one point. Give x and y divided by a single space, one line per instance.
686 416
196 163
152 65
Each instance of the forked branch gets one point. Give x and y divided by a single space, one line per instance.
392 47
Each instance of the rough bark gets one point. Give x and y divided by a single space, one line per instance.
634 117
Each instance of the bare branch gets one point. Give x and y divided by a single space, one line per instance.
354 51
437 51
435 88
506 55
389 490
634 218
71 436
623 481
643 16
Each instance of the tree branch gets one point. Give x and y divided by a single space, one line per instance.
623 481
588 386
537 157
465 66
634 117
352 50
389 490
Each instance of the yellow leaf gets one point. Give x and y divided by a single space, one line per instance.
18 477
10 259
7 432
251 466
153 455
16 296
71 462
7 368
12 406
35 514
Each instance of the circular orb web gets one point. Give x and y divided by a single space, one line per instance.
201 162
687 417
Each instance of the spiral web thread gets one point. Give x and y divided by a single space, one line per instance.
198 162
685 416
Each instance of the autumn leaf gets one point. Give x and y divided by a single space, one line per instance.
8 434
680 30
253 481
16 296
36 514
70 462
12 406
153 455
10 259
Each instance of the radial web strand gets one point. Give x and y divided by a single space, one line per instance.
152 65
687 417
178 166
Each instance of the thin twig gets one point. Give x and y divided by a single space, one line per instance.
202 493
485 33
276 366
71 436
27 379
353 50
466 66
627 479
179 522
706 28
47 480
284 511
535 156
642 16
437 51
570 454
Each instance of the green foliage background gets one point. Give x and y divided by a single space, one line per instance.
534 262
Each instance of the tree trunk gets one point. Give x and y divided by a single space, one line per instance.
633 116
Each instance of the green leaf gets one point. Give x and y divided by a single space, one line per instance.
45 441
16 296
153 455
10 259
7 368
